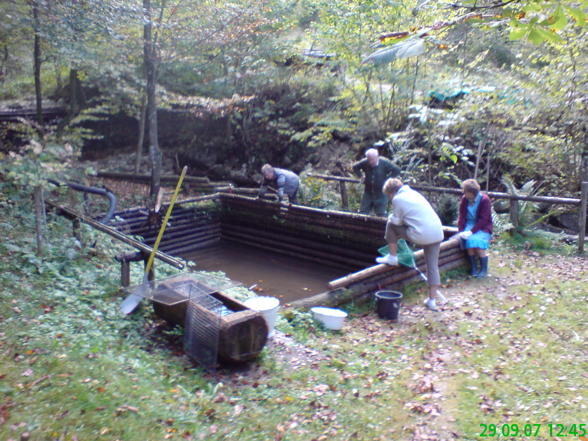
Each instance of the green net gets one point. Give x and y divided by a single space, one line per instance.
405 254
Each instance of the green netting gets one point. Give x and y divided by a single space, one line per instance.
405 254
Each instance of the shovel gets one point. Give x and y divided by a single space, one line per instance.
130 303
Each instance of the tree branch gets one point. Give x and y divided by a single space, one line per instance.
436 26
478 8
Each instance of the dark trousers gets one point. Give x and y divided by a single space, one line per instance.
369 201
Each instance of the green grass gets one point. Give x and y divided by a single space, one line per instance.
510 349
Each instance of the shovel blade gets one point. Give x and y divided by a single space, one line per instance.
134 298
130 303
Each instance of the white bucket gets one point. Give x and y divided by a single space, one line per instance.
268 306
331 318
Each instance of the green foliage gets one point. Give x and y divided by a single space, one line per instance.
236 42
37 162
526 210
297 322
324 128
541 23
316 193
446 207
537 240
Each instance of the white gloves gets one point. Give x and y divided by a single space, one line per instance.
465 234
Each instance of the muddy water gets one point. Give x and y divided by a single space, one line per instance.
273 274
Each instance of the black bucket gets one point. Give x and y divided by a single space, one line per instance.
388 304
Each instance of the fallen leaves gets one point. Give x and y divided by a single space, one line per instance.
5 411
121 410
423 385
431 409
320 389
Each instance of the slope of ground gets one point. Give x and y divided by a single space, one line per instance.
508 353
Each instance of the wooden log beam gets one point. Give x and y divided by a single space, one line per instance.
133 210
358 244
399 273
173 230
309 242
304 223
492 194
190 238
213 196
297 213
309 226
335 219
382 268
214 188
368 293
340 296
291 253
186 249
334 178
302 209
498 195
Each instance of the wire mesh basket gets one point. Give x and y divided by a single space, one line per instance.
202 326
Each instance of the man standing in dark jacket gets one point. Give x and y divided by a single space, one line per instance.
375 170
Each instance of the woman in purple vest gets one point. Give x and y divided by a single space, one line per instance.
475 226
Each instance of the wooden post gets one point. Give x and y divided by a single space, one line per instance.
514 213
75 225
582 218
125 273
344 198
125 266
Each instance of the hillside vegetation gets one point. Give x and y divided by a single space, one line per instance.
484 89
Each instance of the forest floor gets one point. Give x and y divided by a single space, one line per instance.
506 357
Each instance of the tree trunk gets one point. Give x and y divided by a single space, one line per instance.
74 101
39 216
37 63
141 138
151 74
584 171
478 159
4 70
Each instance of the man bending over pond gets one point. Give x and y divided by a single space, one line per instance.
285 181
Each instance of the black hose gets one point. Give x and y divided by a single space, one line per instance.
100 191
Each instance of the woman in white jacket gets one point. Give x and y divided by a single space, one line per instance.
412 218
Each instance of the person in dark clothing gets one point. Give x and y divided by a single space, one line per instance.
376 170
475 226
285 181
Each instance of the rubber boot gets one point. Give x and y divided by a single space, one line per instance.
483 267
473 265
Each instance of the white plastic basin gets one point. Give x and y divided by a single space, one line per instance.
331 318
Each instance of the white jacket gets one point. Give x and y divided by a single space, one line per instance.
410 208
